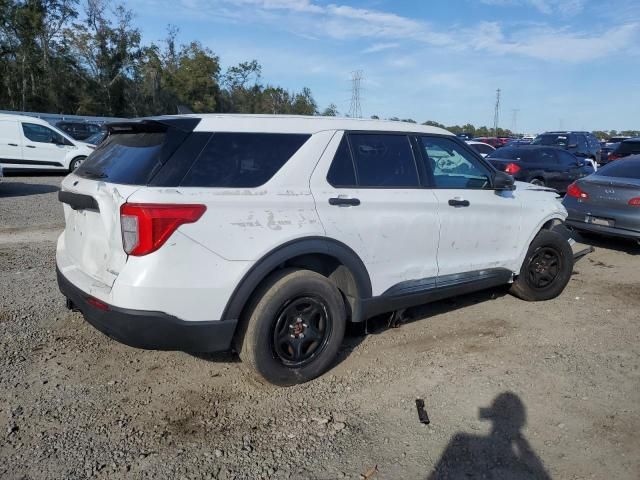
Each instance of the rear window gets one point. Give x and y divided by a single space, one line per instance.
242 160
625 168
551 139
510 153
127 158
628 147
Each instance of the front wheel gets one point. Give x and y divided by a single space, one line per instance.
293 328
538 182
75 163
546 269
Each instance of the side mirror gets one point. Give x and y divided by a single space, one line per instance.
503 181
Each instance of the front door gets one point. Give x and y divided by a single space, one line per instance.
369 196
479 227
43 147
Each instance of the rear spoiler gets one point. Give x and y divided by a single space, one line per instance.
153 125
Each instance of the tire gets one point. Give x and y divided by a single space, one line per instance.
75 163
293 327
538 182
538 279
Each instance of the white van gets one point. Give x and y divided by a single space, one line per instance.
28 143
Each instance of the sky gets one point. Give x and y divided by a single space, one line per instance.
560 64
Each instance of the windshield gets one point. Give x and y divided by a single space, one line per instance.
627 168
552 139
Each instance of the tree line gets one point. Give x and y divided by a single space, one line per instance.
63 56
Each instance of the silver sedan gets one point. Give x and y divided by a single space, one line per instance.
607 202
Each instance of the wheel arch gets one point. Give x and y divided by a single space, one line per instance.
331 258
555 222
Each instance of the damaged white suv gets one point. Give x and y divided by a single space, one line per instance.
270 233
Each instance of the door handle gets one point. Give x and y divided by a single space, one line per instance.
458 202
351 202
12 144
31 146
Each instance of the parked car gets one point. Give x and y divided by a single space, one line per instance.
79 130
607 202
31 144
97 138
605 151
465 136
581 144
625 148
482 148
517 141
542 166
493 141
617 140
270 233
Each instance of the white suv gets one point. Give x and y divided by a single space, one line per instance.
31 144
270 233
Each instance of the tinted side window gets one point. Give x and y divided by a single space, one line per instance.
41 134
452 166
342 173
242 160
384 161
582 144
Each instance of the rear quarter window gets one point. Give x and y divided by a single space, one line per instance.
628 148
242 160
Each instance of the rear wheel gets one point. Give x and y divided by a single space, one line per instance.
75 163
546 269
293 328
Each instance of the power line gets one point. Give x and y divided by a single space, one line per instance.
355 109
496 115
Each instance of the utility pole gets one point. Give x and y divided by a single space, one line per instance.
355 109
514 120
496 115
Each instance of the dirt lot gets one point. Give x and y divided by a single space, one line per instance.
563 377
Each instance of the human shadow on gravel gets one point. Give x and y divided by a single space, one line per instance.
502 454
20 189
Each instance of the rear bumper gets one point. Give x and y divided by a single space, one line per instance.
603 230
147 329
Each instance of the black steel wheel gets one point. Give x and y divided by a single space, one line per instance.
301 331
293 328
544 267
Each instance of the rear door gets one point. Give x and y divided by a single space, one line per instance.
479 227
92 196
10 142
368 195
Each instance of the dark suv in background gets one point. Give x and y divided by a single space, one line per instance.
581 144
630 146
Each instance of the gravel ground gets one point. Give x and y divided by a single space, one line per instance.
562 377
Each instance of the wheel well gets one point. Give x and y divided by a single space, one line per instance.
551 223
331 268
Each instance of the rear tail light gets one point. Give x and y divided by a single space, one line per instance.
512 169
612 157
575 191
635 202
146 227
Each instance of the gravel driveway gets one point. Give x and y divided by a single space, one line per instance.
512 389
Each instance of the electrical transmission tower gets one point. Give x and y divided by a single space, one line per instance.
496 115
355 109
514 120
